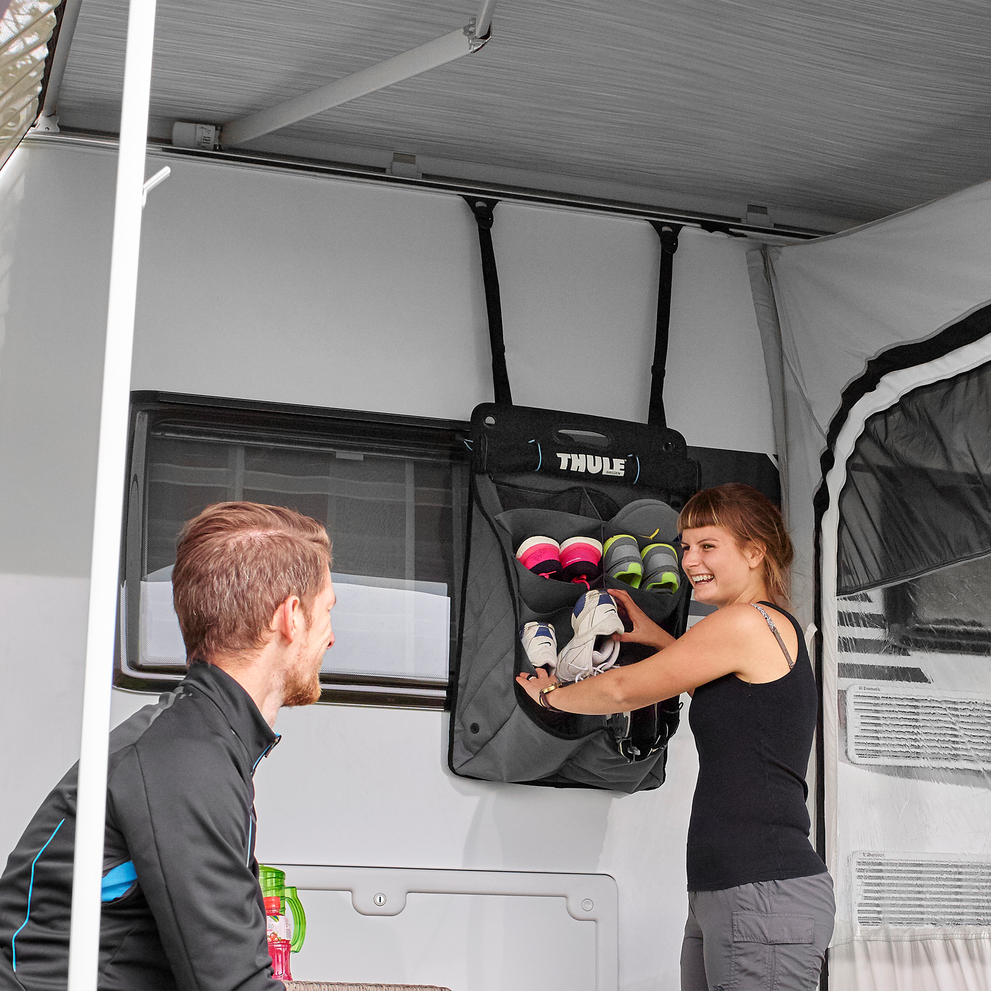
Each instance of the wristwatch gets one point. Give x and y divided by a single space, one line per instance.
541 699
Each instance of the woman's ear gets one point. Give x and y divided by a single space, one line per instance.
755 553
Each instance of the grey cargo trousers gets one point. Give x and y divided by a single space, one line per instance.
766 936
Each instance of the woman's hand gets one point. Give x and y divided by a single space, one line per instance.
533 683
645 630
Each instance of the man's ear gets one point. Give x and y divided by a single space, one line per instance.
288 618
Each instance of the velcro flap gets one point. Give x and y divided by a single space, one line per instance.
753 927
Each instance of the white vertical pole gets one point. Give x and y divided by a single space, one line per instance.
111 465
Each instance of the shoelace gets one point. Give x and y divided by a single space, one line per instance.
597 669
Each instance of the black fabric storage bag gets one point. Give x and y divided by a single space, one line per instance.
527 478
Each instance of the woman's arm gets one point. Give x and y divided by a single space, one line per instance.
728 641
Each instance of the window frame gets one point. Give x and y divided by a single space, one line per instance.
378 432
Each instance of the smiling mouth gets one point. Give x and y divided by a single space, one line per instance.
700 579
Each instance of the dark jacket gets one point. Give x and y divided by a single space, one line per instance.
187 913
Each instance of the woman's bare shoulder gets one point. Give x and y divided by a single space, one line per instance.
739 617
743 629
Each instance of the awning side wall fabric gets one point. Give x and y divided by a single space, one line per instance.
25 30
918 486
840 301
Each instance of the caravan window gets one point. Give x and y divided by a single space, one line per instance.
389 489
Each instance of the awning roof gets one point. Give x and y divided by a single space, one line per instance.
824 115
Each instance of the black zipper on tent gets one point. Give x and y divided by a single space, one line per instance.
966 331
483 213
668 234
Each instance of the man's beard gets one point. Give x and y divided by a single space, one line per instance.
302 686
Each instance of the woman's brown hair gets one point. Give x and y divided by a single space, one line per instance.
751 518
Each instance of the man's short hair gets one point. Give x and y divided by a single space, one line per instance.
236 563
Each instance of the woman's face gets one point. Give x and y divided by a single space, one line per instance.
720 570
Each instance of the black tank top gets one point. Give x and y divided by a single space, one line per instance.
749 818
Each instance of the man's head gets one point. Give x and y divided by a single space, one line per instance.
236 564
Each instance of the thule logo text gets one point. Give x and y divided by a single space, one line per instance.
592 464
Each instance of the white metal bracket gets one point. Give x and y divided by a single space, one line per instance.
474 41
159 177
45 124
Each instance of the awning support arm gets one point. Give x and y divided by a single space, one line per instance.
431 55
53 85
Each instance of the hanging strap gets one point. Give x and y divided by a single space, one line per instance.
482 209
668 233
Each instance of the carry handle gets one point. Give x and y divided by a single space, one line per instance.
580 436
583 437
295 906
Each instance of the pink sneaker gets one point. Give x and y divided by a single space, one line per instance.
581 559
542 556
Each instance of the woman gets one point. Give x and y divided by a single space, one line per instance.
760 901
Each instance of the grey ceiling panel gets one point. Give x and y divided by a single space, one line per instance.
854 109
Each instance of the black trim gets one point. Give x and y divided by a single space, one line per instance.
881 672
865 645
375 423
861 620
719 466
966 331
455 667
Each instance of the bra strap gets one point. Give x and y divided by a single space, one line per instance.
774 630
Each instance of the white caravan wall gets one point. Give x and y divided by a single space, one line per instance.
306 290
330 293
56 213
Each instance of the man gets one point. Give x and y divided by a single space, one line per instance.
181 903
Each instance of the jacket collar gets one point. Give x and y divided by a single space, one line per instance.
237 706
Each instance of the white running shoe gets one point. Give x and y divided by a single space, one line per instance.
540 644
591 650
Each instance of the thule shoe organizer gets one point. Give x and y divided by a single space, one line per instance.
536 472
559 475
